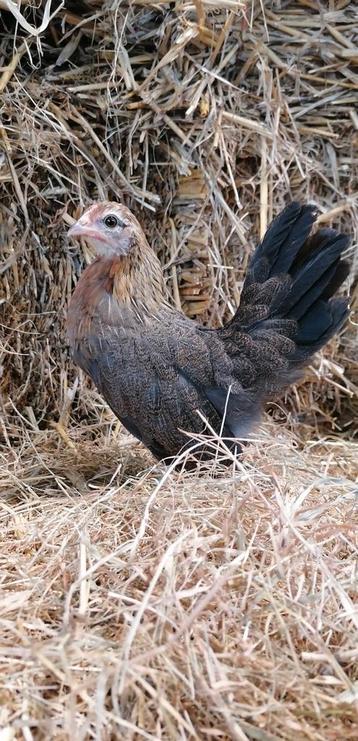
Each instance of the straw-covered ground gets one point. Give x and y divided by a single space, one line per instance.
137 601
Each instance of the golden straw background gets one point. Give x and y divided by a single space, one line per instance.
138 602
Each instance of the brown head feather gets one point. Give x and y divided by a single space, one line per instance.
125 280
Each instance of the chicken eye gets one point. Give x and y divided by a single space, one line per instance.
112 221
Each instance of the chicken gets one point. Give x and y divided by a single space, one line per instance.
164 375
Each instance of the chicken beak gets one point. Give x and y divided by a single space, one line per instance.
77 231
87 232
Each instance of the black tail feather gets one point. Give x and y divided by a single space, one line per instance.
282 243
293 277
314 276
340 275
324 319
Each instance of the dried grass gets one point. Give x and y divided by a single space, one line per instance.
138 603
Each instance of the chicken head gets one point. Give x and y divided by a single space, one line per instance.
110 229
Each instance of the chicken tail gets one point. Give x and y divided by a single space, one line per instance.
288 308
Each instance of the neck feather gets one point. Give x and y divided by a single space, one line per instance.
138 282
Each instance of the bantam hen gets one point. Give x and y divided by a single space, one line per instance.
163 374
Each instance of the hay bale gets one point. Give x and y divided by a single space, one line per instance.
205 120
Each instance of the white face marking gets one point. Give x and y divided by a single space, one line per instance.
114 238
117 238
101 248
